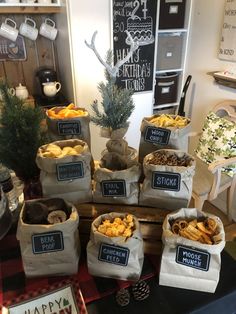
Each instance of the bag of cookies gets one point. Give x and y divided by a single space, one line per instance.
69 122
115 249
163 131
65 170
49 238
168 176
193 241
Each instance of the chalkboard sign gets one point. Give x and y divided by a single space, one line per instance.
68 127
113 254
70 171
166 181
192 258
138 17
13 51
47 242
157 135
113 188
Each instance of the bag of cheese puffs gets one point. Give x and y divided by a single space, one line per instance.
163 131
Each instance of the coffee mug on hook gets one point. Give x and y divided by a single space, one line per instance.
48 29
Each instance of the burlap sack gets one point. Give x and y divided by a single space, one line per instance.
69 128
75 188
167 187
116 187
42 254
115 257
191 271
154 137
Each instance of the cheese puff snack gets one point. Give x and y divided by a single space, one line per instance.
118 227
166 120
66 112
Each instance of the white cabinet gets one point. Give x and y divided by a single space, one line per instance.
171 54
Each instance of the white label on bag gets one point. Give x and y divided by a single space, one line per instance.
165 90
192 258
113 254
173 9
47 242
169 54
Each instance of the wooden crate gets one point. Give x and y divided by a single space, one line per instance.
150 219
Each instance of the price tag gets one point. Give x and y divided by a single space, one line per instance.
113 188
157 135
47 242
166 181
69 127
192 258
70 171
113 254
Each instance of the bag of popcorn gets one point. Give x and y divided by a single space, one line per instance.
115 249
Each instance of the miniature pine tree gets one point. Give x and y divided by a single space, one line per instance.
117 103
20 134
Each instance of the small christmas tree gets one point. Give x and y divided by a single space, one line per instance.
20 134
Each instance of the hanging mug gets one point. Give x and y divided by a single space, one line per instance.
11 91
28 29
48 29
9 31
50 89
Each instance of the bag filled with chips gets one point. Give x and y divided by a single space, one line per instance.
115 249
65 170
163 131
68 122
191 259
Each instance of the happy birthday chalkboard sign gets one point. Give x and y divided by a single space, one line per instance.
138 17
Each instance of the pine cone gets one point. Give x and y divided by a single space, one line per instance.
123 297
140 290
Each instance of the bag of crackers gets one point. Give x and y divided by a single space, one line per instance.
163 131
191 259
168 177
115 249
49 238
65 170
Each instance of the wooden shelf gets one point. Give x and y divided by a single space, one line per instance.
225 81
29 9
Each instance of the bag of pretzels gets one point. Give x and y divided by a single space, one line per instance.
168 176
191 259
163 131
49 238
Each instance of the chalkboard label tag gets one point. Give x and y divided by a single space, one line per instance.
157 135
113 254
113 188
69 127
47 242
166 181
70 171
192 258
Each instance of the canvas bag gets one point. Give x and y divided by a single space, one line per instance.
117 187
75 190
167 197
64 260
178 275
153 137
69 128
129 266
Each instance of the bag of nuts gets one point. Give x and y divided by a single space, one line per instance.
115 249
163 131
168 179
49 238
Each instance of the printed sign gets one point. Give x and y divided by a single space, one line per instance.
47 242
113 188
12 50
166 181
113 254
68 127
193 258
228 35
60 301
70 171
157 135
138 17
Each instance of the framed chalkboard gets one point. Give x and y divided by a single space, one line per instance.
138 17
